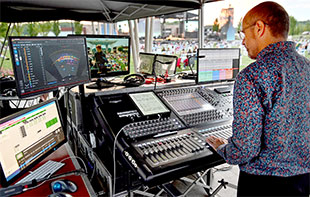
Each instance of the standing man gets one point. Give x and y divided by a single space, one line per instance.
100 60
271 126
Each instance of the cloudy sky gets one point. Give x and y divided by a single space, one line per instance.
300 9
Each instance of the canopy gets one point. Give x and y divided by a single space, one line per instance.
92 10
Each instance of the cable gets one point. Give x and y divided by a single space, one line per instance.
76 157
50 177
114 163
93 174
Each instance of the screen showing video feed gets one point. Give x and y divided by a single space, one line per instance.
108 55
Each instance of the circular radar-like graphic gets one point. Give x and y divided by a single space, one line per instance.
66 62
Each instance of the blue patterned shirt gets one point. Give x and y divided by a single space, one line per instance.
271 127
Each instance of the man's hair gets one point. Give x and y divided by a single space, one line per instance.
98 46
274 15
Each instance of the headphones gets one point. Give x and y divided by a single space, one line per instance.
9 92
133 80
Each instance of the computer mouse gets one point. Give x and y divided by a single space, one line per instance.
60 194
63 185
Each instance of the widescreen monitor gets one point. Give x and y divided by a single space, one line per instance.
42 64
217 64
146 63
108 55
27 137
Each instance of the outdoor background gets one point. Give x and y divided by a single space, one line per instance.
175 34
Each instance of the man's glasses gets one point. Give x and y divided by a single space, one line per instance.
241 33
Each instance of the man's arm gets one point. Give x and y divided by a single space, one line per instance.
245 143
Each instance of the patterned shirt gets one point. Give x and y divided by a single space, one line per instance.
271 126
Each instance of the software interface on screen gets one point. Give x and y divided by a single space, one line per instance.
218 64
44 64
146 62
165 64
27 137
109 55
148 103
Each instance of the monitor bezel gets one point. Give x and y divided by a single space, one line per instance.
108 36
45 90
215 81
4 182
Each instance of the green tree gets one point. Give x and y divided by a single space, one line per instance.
293 23
3 29
239 25
78 28
44 28
307 27
32 29
56 28
18 29
216 25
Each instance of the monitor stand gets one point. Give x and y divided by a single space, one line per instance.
101 83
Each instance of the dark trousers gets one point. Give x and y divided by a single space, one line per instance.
259 185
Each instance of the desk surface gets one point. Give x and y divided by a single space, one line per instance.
84 188
123 89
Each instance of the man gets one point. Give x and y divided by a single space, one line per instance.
271 126
100 60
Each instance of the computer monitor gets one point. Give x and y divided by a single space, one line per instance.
146 63
165 64
27 137
42 64
108 55
217 64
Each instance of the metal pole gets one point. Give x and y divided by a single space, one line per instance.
201 28
133 45
151 34
147 33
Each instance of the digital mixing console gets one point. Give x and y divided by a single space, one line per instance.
184 146
165 131
198 105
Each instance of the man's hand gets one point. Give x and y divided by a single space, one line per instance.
216 142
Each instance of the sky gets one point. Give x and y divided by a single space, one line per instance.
299 9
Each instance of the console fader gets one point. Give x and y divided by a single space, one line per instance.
184 146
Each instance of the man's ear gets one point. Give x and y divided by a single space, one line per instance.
260 28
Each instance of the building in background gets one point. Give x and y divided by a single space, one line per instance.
225 14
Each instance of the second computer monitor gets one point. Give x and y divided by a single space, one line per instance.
217 64
27 137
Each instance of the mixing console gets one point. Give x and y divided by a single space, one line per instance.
182 147
222 130
198 105
151 127
223 101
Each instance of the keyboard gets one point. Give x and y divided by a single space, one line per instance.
47 169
